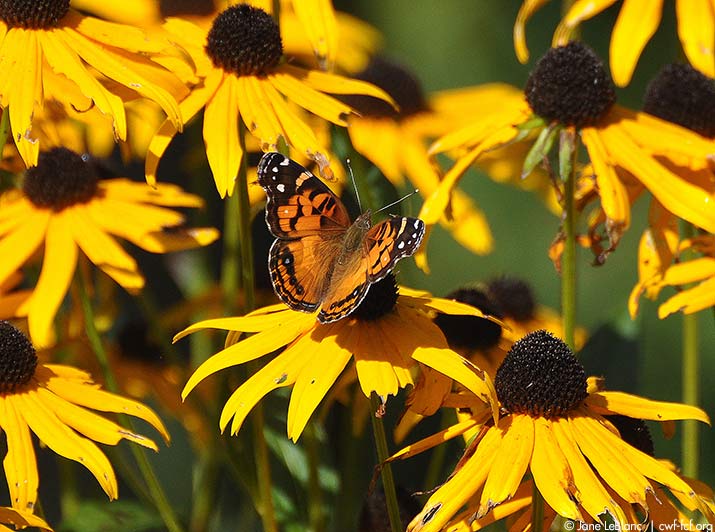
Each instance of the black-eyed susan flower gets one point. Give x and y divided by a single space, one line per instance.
55 402
637 22
554 428
64 207
51 52
396 142
246 77
387 336
570 91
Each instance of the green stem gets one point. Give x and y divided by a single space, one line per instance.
537 509
158 496
4 128
691 395
388 482
567 170
315 494
230 262
244 227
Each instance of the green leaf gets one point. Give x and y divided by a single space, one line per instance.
105 516
539 149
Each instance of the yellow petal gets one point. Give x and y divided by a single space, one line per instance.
90 396
26 96
436 439
373 361
249 349
690 271
378 139
691 300
65 442
58 266
551 471
527 9
164 194
315 379
257 112
636 24
316 102
608 403
248 323
696 29
321 28
221 136
617 472
18 246
429 392
591 493
510 462
280 372
172 240
335 84
613 194
21 519
99 247
677 195
580 10
89 424
20 463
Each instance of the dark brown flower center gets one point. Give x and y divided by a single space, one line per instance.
18 359
398 82
33 14
570 85
60 179
513 296
381 298
684 96
471 332
245 40
540 376
635 432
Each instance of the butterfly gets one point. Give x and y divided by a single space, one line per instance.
320 259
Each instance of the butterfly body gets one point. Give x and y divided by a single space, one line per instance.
320 259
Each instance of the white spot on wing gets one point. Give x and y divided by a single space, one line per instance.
281 187
400 245
285 161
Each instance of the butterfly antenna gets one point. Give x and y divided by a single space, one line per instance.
352 178
403 198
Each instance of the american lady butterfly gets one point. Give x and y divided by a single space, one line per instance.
320 258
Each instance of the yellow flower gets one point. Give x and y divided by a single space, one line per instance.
246 78
570 92
13 303
555 427
64 206
387 336
637 22
51 52
20 520
54 402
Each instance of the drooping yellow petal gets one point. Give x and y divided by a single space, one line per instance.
462 485
580 10
282 371
527 9
58 266
97 245
636 24
373 362
65 442
590 492
690 271
677 195
90 396
164 194
613 194
257 112
696 29
510 461
551 471
249 349
22 519
250 323
328 360
690 300
20 463
89 424
617 472
609 403
26 95
223 148
436 439
172 240
316 102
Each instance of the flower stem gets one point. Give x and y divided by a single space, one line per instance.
244 227
567 170
388 482
161 502
4 128
315 494
230 262
691 395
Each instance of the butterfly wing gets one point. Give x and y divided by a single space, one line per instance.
301 269
383 245
388 242
298 203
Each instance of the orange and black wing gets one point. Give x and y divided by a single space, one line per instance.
347 288
298 203
389 241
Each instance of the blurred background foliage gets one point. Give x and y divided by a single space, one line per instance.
448 44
